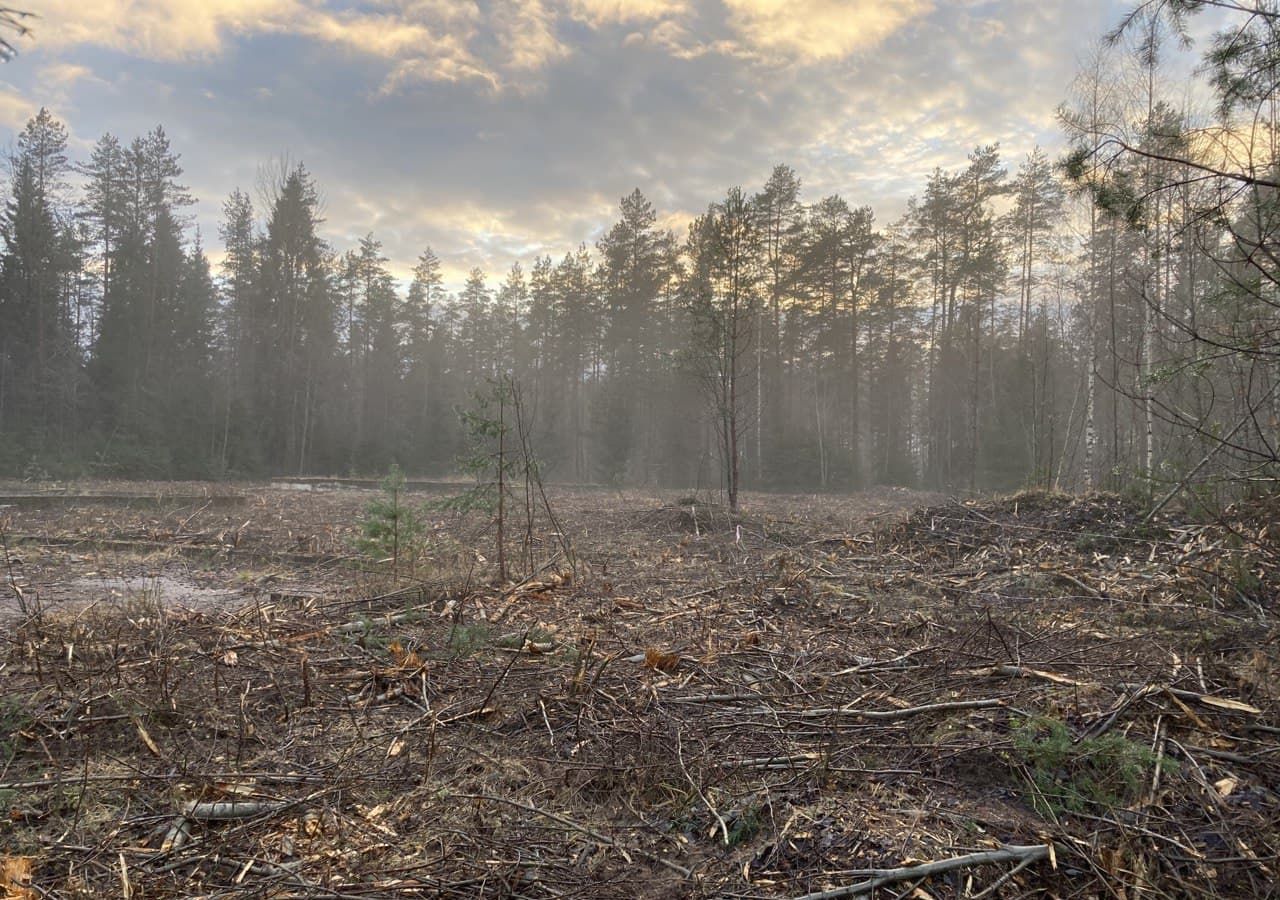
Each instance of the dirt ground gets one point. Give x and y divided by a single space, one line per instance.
208 692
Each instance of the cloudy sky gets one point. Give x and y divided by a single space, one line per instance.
495 130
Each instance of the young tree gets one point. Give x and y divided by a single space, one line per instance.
721 293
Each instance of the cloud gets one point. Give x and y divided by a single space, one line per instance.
422 40
813 30
443 67
613 12
63 75
419 48
377 35
526 32
15 109
494 130
159 29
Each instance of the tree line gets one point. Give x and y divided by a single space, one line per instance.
1106 321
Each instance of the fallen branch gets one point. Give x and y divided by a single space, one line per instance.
868 662
1024 672
1140 690
886 715
1078 583
1023 855
1224 703
234 809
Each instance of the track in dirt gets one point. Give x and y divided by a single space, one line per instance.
782 702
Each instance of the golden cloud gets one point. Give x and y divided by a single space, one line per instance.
498 44
15 109
376 35
158 29
64 74
437 68
526 33
815 30
425 40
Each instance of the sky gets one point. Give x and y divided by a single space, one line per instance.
499 130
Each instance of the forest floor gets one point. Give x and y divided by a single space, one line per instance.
207 692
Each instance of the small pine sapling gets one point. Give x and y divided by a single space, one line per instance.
500 458
488 459
390 530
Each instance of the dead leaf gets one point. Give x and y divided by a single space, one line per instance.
660 661
404 659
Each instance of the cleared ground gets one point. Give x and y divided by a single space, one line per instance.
207 692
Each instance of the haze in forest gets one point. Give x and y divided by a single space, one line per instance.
725 245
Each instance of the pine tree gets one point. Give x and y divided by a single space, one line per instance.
380 356
39 356
476 330
1037 208
246 339
578 357
295 399
509 307
189 385
421 387
781 219
634 269
134 350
